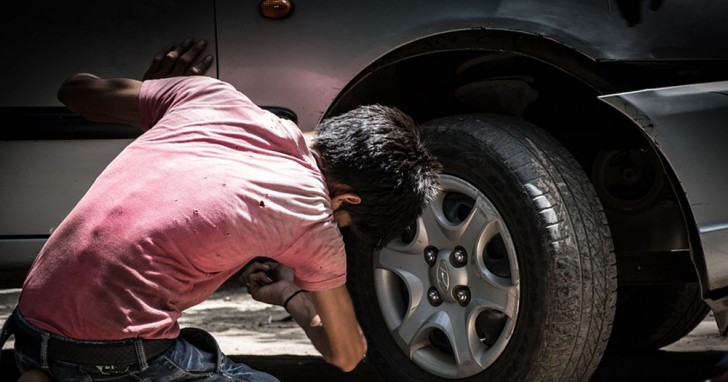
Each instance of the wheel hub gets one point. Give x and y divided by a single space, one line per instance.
449 276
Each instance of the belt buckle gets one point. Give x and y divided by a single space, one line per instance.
104 369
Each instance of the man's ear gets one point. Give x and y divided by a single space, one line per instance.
347 197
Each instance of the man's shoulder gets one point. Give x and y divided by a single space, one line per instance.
186 79
189 90
188 84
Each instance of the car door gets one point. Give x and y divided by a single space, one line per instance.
49 156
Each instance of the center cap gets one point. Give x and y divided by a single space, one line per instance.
446 277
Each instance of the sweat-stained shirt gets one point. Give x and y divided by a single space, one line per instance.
212 183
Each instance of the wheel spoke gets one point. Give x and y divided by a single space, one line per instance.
471 230
459 330
434 226
402 264
496 297
391 265
461 333
412 333
489 290
418 243
467 231
394 260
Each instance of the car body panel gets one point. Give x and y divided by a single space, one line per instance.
42 176
50 41
276 63
74 163
691 119
328 44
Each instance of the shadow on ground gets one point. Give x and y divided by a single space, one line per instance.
662 366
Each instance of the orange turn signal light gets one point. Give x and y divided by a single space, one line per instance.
276 9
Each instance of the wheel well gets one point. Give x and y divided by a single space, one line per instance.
555 88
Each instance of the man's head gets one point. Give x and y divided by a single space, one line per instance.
377 170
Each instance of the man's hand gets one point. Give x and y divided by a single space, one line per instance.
326 316
180 60
269 282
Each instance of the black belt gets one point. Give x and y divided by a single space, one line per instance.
107 353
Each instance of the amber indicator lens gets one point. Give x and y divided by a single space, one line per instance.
276 9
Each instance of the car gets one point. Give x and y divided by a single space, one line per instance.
583 207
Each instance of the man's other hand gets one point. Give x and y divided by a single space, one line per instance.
269 282
184 59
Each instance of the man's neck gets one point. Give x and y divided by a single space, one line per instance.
309 136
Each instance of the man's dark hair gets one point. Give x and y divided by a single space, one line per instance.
377 151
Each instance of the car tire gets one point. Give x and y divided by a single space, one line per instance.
649 317
517 226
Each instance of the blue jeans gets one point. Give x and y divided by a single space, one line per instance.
195 356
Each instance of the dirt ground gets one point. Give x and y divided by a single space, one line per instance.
265 338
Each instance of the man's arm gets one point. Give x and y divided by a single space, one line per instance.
116 100
113 100
329 321
327 316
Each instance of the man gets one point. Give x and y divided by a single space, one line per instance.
213 183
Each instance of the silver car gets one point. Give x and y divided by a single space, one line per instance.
584 205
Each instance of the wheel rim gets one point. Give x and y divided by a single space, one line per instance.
449 288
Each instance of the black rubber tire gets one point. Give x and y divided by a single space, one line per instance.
562 241
653 316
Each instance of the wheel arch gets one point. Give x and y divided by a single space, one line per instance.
423 77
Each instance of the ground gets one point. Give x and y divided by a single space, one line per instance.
265 338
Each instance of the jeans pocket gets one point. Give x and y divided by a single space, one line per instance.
200 339
183 361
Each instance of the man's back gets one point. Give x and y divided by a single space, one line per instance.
215 183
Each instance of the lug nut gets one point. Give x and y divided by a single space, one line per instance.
431 255
433 296
462 294
459 257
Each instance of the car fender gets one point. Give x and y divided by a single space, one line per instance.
687 126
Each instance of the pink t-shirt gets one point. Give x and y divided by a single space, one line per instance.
213 183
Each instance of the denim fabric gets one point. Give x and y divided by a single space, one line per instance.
195 356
